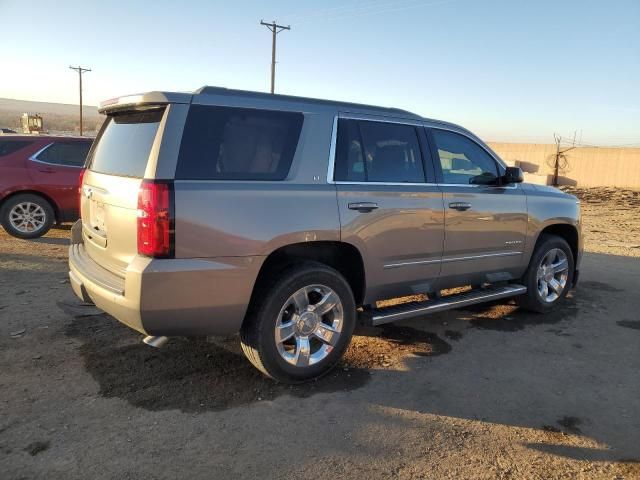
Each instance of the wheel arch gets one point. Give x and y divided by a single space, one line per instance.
341 256
566 231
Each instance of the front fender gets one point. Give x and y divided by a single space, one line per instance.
547 207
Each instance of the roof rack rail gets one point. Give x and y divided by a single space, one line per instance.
212 90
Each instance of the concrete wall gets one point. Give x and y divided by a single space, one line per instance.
582 167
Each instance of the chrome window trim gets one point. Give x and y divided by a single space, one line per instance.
34 158
334 139
353 116
454 259
394 184
475 185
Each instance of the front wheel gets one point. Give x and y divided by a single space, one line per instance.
299 328
549 275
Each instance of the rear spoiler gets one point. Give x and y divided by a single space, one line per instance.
143 99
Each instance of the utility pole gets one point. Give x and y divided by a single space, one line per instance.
80 71
556 164
275 30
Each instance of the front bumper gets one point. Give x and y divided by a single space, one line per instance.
169 297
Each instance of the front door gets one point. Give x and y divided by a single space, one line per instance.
387 208
485 222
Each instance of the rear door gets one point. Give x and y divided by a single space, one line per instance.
13 164
485 223
56 168
389 206
109 197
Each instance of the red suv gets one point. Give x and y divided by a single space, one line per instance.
39 182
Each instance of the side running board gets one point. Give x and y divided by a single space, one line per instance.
378 316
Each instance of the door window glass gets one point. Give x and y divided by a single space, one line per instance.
378 152
463 161
349 164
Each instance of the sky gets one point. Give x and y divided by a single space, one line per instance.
509 70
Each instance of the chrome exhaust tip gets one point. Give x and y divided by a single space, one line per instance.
156 342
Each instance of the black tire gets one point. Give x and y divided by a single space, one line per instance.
258 331
532 299
12 202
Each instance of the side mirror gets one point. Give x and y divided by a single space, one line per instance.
513 175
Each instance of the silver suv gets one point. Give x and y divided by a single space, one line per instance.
286 219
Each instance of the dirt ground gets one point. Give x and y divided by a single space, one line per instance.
611 220
486 392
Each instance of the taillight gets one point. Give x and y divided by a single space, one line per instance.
155 219
80 181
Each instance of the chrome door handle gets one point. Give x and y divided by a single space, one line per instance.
363 207
460 206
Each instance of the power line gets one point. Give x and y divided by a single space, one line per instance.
366 9
348 8
275 30
80 71
595 145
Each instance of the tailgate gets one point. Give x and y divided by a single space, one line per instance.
109 219
109 193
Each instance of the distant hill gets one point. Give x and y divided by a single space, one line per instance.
57 117
46 107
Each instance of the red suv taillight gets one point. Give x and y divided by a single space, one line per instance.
155 219
80 180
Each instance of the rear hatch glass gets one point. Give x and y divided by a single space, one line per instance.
124 145
109 197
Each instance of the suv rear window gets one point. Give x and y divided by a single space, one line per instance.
7 147
124 143
223 143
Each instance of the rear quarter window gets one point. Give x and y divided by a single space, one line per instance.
70 154
224 143
7 147
123 146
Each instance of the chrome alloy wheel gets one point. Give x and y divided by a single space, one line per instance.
552 275
27 217
309 325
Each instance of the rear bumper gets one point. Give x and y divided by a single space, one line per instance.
176 297
92 283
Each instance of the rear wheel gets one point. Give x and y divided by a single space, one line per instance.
549 275
26 216
299 328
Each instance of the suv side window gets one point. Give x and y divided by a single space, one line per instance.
7 147
69 154
223 143
463 161
369 151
